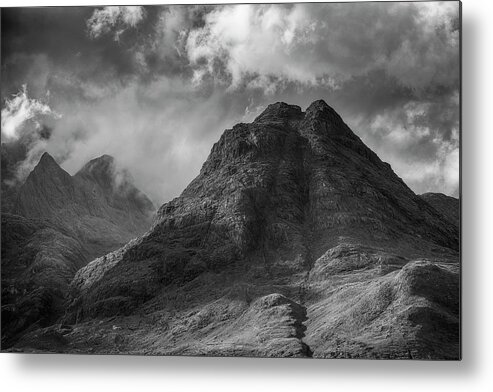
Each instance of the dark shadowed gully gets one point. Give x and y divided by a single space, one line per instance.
295 240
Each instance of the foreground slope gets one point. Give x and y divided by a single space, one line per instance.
294 240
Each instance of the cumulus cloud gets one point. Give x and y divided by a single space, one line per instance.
417 43
25 122
22 114
161 132
251 43
411 139
114 19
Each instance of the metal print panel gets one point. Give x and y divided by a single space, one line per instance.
261 180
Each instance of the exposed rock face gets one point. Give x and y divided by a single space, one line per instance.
60 223
292 223
448 206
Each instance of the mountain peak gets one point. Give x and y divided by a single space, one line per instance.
97 193
116 182
47 160
320 112
321 108
278 111
102 161
104 158
101 168
319 104
46 187
47 166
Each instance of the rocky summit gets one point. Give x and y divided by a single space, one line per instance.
295 240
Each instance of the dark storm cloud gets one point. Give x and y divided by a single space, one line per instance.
54 41
166 80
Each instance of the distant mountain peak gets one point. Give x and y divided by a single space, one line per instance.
47 161
103 162
97 199
105 158
47 187
318 112
46 157
101 169
48 170
116 182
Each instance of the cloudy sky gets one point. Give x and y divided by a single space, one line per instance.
156 86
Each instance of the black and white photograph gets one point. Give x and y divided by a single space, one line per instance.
232 180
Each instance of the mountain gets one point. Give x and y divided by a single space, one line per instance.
294 240
448 206
101 209
14 156
57 224
116 185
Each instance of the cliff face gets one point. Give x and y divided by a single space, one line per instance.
299 230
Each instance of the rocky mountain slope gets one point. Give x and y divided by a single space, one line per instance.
55 226
294 240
